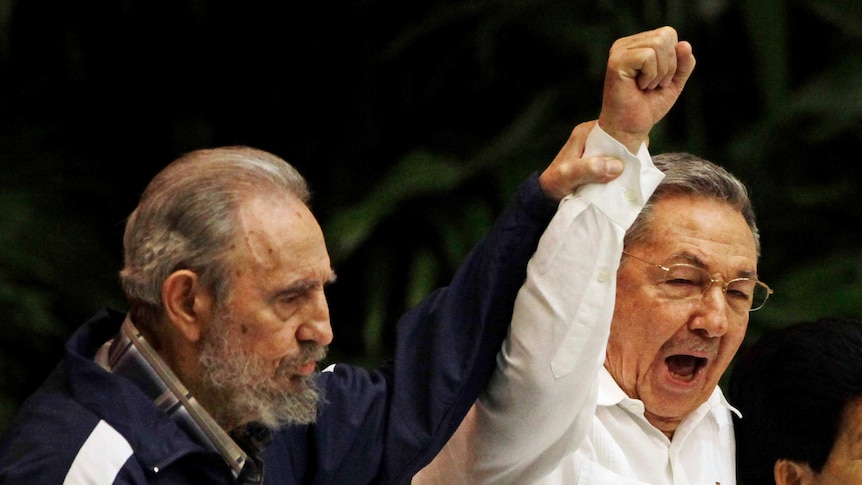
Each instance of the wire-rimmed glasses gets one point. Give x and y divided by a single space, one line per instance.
684 281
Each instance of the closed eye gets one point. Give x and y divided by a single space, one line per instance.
681 282
303 288
742 289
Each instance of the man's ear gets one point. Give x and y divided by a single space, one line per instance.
788 472
188 304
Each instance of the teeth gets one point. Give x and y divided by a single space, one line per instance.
683 377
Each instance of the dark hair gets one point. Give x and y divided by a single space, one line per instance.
792 387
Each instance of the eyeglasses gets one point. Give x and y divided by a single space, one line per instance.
684 281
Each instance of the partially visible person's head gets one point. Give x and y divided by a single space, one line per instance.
670 340
226 265
799 390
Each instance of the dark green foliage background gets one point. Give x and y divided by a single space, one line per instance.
413 121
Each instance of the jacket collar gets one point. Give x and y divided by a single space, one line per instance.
150 408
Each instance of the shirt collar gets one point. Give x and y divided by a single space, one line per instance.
611 394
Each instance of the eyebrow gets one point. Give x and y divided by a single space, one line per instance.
305 284
696 261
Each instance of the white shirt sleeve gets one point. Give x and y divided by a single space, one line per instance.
540 402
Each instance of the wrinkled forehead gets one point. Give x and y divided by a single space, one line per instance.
275 229
703 230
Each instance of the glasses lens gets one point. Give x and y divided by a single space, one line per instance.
761 293
685 281
741 293
746 295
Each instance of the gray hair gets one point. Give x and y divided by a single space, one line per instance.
187 218
686 174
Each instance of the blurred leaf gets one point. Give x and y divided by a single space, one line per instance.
817 196
460 235
833 99
844 15
767 27
424 274
418 174
834 283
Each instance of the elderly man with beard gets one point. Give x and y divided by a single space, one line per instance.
630 314
210 377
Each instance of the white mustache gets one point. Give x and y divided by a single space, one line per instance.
693 346
309 352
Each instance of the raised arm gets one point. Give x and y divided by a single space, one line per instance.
383 426
540 402
646 73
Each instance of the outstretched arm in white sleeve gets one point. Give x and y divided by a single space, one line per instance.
540 402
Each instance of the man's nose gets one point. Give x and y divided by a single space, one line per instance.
712 318
316 326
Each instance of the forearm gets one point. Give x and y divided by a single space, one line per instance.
446 346
540 401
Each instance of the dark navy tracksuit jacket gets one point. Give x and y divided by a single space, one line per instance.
376 427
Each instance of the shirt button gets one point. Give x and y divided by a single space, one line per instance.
630 195
603 276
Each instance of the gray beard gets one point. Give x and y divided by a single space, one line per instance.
244 389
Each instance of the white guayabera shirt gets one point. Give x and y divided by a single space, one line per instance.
552 415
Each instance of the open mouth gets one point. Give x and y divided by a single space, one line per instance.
685 367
